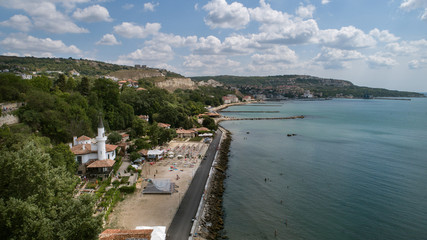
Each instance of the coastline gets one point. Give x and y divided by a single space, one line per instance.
211 218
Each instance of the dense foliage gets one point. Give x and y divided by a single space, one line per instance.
293 86
36 191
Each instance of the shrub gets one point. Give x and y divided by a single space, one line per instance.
128 189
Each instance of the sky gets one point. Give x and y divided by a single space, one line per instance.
381 43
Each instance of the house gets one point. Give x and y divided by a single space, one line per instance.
230 98
202 129
183 133
125 137
94 157
141 89
155 154
164 125
144 117
307 94
74 73
247 98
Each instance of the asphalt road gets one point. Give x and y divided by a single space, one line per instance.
182 222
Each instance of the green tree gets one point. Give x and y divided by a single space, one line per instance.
61 156
84 87
210 123
36 199
42 83
61 82
114 137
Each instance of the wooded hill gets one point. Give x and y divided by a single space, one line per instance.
293 85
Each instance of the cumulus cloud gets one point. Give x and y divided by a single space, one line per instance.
45 16
305 11
29 45
378 61
410 5
131 30
276 55
346 38
95 13
205 64
224 15
281 28
324 2
332 58
152 55
413 4
108 39
150 6
417 64
383 36
20 22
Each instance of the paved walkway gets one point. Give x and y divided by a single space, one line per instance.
181 224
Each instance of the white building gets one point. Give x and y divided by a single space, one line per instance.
93 156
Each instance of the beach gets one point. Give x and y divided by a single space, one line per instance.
159 209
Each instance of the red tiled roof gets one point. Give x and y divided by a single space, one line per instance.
83 138
201 129
110 147
140 89
101 163
163 125
184 131
122 234
143 152
78 149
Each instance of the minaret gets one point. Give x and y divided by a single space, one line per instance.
100 141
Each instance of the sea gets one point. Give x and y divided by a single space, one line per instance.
351 169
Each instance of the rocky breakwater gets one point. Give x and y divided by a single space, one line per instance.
172 84
212 222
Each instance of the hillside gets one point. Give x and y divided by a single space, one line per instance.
296 85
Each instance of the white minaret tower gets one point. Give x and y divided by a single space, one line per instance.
100 141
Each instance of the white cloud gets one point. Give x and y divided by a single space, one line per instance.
275 55
405 48
410 5
324 2
413 4
20 22
383 36
305 11
11 54
208 46
424 16
280 27
417 64
108 39
152 55
29 45
207 64
131 30
378 61
224 15
45 16
95 13
332 58
150 6
346 38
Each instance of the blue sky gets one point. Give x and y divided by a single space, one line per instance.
379 43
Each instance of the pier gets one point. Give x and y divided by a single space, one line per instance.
262 118
251 111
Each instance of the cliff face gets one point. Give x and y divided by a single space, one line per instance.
136 74
175 83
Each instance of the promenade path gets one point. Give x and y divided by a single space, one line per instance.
182 222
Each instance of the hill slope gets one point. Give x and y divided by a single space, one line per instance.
296 85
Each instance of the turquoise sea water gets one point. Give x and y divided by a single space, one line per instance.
357 169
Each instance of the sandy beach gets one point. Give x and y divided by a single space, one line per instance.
141 209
